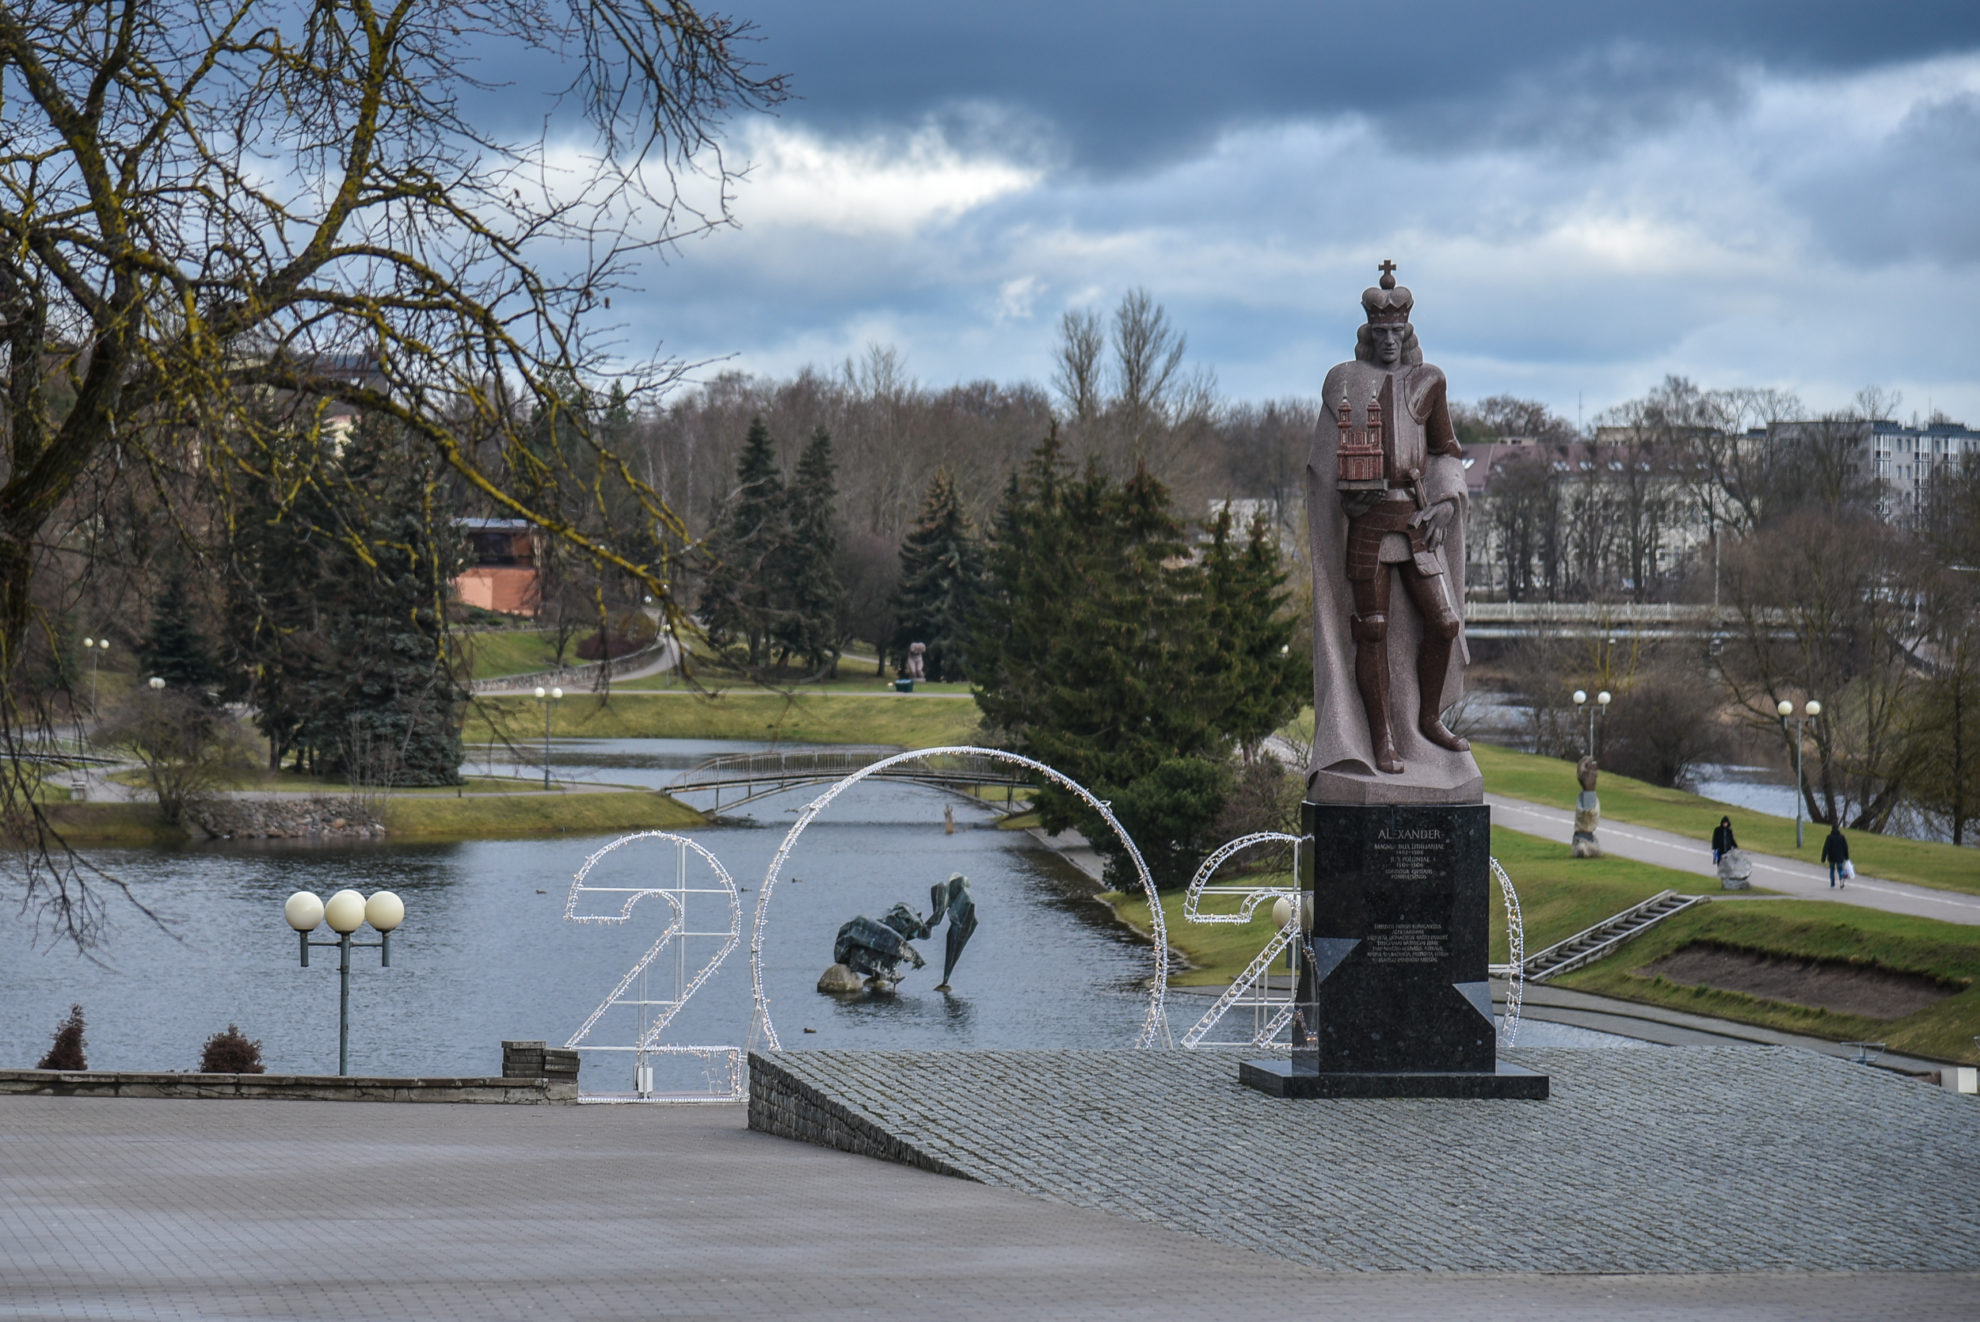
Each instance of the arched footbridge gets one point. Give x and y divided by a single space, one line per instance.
739 778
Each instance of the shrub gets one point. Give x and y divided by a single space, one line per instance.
230 1052
66 1052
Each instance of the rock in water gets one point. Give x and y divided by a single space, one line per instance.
840 981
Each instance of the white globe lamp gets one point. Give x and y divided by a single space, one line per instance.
344 912
384 911
303 910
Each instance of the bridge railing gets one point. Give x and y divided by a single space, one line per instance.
779 765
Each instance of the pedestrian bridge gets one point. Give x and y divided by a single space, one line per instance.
1516 619
739 778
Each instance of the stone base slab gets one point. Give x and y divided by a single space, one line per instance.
1282 1078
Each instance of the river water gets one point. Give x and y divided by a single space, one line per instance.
487 954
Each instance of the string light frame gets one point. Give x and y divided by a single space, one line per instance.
647 1043
1155 1024
1245 989
1516 953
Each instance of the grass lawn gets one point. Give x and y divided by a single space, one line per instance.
498 652
1560 896
1217 952
1551 780
1810 929
490 816
113 824
803 719
852 679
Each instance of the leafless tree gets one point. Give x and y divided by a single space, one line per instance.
203 206
1076 364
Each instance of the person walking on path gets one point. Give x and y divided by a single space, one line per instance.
1835 852
1722 839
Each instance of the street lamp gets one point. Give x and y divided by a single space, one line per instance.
345 912
1601 702
1809 711
546 697
96 647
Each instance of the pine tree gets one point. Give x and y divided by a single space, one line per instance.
941 575
173 648
804 576
389 711
736 603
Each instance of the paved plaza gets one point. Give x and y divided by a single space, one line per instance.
1687 1159
145 1209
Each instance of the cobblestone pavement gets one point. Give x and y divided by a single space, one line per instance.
1687 1159
143 1209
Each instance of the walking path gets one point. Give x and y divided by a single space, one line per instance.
1807 881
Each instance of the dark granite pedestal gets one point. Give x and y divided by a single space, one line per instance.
1394 995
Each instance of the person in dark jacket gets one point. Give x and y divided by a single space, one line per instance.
1722 839
1835 852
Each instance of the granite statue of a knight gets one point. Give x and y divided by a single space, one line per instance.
1386 511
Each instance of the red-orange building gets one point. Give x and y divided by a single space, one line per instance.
501 573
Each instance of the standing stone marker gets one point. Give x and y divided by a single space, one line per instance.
1394 996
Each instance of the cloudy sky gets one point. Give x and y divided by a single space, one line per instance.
1584 197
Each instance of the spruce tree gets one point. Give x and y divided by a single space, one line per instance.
1266 679
389 710
1093 653
286 561
736 602
804 576
173 648
941 575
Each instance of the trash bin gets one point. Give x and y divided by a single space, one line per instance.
903 686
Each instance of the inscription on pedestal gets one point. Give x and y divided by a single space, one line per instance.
1407 943
1400 895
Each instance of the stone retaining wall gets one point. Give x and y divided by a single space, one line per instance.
285 819
286 1087
788 1107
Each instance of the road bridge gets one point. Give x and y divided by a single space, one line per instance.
746 777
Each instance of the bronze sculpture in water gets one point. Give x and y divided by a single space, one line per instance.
875 950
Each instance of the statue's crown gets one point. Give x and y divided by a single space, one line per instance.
1386 303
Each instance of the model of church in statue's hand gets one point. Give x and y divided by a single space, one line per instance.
1386 508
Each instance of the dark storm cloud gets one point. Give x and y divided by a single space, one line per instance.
1129 83
1917 196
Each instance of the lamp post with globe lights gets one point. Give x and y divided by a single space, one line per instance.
1809 711
96 647
546 697
1601 702
345 912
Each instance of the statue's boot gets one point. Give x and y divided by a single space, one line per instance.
1371 676
1432 664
